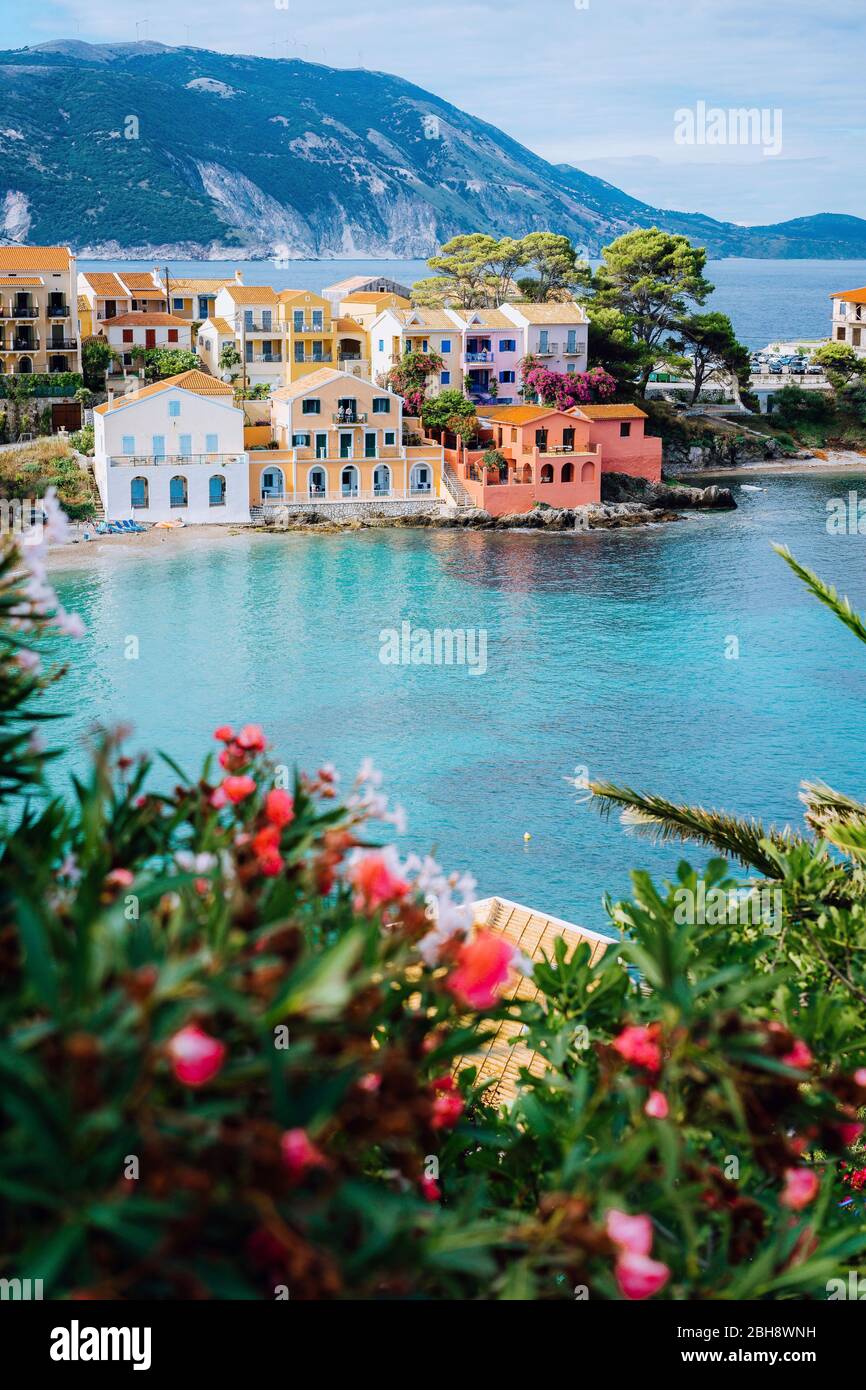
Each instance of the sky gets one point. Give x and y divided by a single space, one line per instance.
635 91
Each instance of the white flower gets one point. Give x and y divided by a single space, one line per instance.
368 773
70 624
195 863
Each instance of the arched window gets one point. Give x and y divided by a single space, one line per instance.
272 484
25 366
349 481
421 478
317 482
568 472
139 492
381 480
547 473
177 491
217 490
587 473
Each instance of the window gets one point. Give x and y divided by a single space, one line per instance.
370 444
318 322
203 307
127 444
569 367
185 445
159 446
311 406
381 405
391 437
568 438
266 320
506 377
174 409
625 429
571 343
128 335
446 345
248 318
217 491
299 352
298 320
381 344
444 378
541 439
840 334
177 304
507 345
300 441
138 492
172 335
321 446
211 443
177 492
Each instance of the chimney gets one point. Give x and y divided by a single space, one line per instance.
110 394
239 277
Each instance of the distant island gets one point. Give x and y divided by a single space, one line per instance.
142 150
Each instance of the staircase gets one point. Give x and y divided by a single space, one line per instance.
459 496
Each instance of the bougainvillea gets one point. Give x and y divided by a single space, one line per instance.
563 390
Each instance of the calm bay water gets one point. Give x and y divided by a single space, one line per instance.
606 650
764 299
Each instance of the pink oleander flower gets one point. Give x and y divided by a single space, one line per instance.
639 1045
799 1057
28 661
70 624
370 1083
300 1153
377 879
657 1106
430 1190
631 1233
482 966
280 807
224 734
801 1188
232 789
252 738
196 1056
640 1277
120 878
860 1076
447 1110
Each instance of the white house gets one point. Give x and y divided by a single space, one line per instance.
173 450
126 332
398 331
849 319
555 333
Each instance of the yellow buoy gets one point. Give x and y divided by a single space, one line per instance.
526 835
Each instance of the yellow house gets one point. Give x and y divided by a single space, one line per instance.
305 319
38 310
194 298
341 440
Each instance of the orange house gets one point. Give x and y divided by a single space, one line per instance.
549 457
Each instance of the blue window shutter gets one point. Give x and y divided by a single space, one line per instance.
212 443
128 444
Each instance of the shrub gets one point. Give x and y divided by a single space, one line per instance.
230 1026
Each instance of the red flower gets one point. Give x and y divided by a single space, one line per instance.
196 1057
849 1132
482 966
251 738
430 1190
224 733
232 789
300 1153
801 1188
799 1057
640 1277
443 1083
446 1111
279 808
376 880
639 1046
119 878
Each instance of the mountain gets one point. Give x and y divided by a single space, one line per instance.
141 150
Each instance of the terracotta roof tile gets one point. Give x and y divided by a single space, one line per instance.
35 258
612 412
199 382
144 319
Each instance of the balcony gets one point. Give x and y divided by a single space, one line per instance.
470 358
309 328
179 461
23 345
314 357
259 326
275 357
24 311
61 344
346 417
548 350
58 311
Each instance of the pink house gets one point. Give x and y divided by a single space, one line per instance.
618 430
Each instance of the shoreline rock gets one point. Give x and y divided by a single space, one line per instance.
607 516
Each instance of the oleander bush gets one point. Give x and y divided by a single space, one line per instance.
230 1025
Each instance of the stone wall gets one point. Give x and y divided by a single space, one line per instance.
345 511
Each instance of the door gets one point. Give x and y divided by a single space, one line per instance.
542 340
158 446
370 444
349 482
347 409
150 337
185 445
321 446
66 415
345 446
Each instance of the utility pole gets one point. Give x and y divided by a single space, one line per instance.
167 291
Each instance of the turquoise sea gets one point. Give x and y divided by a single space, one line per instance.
765 299
605 650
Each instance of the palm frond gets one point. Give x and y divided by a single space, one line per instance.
825 806
661 821
826 594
